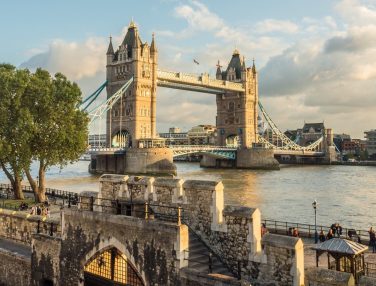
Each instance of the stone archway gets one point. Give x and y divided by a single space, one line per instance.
121 139
111 267
232 141
105 245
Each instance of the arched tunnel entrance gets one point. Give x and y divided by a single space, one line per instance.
121 139
111 267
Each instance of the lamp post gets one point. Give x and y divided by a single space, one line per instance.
314 205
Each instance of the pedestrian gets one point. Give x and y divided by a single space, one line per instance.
369 232
330 234
48 212
372 240
295 232
322 236
339 230
263 229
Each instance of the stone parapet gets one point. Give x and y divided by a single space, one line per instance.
283 260
20 226
317 276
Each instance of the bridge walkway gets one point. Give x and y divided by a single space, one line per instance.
200 260
15 247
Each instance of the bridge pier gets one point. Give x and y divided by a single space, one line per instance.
247 158
156 161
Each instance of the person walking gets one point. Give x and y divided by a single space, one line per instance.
330 234
372 240
322 236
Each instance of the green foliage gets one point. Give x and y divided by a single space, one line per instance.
15 124
39 121
60 130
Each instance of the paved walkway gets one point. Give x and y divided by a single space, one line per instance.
15 247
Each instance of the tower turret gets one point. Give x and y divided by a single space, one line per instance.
218 74
153 47
110 52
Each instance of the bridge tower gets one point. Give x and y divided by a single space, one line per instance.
237 111
134 116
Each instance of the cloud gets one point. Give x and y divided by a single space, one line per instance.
333 76
199 17
75 60
272 25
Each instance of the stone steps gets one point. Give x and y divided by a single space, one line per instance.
198 258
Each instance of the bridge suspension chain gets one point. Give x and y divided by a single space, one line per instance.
98 111
287 143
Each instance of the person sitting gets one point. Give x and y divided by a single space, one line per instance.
330 234
295 232
322 236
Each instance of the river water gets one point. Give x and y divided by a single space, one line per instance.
345 194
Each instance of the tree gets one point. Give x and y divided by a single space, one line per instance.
60 130
15 126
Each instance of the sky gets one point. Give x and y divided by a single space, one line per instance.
316 59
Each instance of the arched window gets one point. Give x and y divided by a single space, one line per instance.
111 267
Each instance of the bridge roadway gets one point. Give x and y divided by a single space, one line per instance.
216 151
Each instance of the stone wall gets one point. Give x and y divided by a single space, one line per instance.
283 261
232 232
156 249
15 269
45 260
20 226
316 276
367 281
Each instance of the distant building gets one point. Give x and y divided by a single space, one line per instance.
353 146
174 130
175 137
338 140
310 133
371 143
97 140
197 135
202 135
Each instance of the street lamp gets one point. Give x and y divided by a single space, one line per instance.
314 205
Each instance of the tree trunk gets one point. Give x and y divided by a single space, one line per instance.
17 188
42 185
15 181
33 184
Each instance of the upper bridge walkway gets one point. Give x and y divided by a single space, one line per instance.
200 83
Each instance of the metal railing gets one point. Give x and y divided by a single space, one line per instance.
370 269
308 230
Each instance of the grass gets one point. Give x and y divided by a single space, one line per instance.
14 204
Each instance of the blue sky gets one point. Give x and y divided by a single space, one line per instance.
314 57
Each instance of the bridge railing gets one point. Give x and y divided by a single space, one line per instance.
202 147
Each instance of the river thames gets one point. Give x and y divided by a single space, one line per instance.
345 194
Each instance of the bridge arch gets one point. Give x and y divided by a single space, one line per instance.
122 139
233 140
111 249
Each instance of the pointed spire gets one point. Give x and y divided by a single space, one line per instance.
110 50
243 64
132 24
153 47
254 66
136 39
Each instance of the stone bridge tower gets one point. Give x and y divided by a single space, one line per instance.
237 111
134 116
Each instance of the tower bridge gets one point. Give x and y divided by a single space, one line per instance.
132 78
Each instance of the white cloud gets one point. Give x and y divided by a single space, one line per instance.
272 25
75 60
